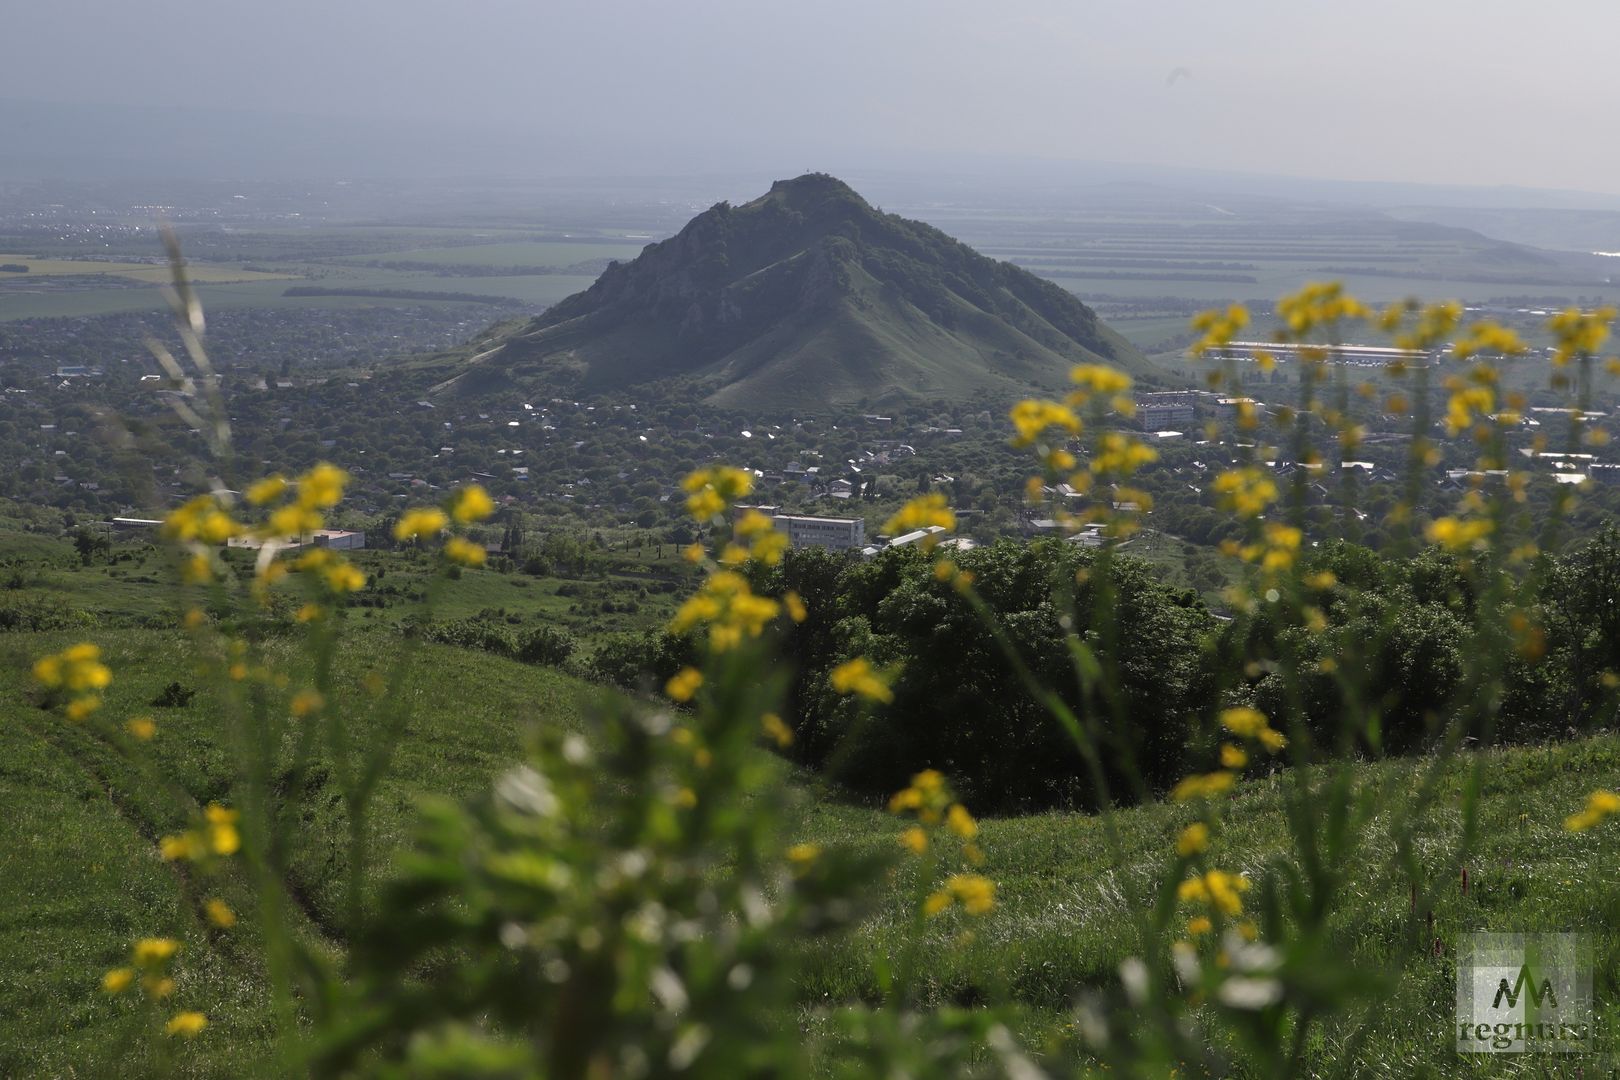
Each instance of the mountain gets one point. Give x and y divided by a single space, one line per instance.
806 297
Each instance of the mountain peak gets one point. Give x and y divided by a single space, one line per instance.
808 297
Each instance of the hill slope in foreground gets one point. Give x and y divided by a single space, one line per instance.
82 877
806 297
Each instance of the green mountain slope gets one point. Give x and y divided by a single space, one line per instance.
807 296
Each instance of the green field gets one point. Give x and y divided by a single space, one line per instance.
145 273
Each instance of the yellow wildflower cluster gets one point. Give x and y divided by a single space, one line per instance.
729 608
1277 550
1599 805
857 676
150 961
776 728
202 520
1033 417
217 836
928 797
76 673
1319 304
1121 455
925 511
1098 379
1194 840
684 684
1246 491
763 543
802 857
1204 786
470 504
1578 333
975 892
1469 402
422 521
1215 889
1487 336
1247 723
465 506
321 488
710 491
1458 535
1218 328
337 573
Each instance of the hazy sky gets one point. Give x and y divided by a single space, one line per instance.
1459 91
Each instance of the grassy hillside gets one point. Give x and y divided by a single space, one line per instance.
80 876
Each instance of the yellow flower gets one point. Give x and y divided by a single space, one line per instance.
464 552
186 1024
306 702
154 952
186 845
1233 757
1458 535
1599 805
1218 328
157 986
976 892
1121 455
308 613
1246 491
937 902
1099 379
1578 333
925 511
684 684
709 491
1198 925
117 980
1200 787
730 609
344 577
857 677
1273 740
802 855
1193 840
773 726
291 521
223 836
422 521
1217 889
914 840
795 606
220 913
960 822
1244 722
141 727
201 520
322 486
267 490
1031 418
471 504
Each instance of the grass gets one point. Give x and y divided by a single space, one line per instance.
79 875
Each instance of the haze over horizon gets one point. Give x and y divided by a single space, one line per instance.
1432 95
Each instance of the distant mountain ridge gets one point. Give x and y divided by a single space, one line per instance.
807 297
